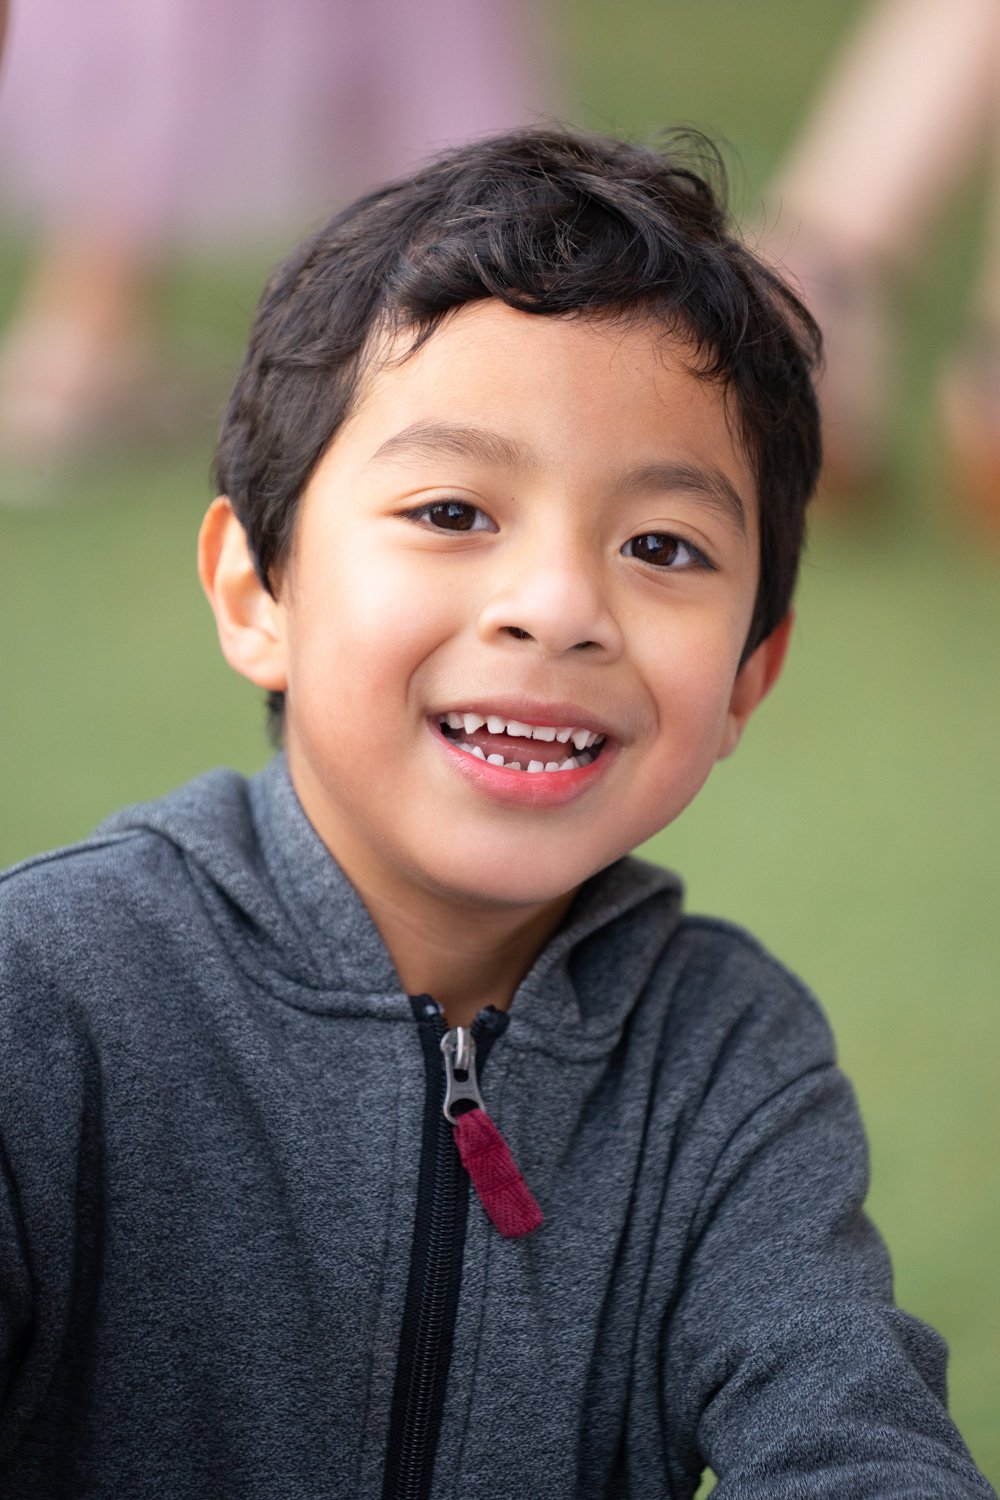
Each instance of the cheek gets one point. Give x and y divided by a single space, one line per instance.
692 696
357 643
690 680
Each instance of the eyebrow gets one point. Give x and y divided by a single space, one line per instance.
705 483
459 441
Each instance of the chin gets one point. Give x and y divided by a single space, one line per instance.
517 879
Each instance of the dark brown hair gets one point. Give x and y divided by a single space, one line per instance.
552 223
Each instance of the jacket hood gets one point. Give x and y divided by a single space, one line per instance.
294 922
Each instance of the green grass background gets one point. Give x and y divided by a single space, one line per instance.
857 829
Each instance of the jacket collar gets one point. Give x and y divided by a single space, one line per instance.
293 922
580 988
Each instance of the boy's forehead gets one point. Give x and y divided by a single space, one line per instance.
509 388
465 333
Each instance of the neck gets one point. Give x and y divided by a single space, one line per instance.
465 957
465 953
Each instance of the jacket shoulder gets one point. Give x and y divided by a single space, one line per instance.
83 880
135 861
716 945
729 996
75 918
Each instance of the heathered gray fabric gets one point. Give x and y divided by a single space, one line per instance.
211 1090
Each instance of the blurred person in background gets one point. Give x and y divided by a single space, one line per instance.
129 128
909 102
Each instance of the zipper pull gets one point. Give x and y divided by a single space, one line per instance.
485 1154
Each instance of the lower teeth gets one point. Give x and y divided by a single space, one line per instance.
570 764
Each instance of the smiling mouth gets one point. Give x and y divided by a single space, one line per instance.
513 745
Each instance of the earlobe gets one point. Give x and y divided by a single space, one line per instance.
754 681
248 618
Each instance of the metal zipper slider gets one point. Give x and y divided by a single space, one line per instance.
458 1048
485 1154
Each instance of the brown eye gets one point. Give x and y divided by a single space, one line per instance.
451 515
655 547
663 550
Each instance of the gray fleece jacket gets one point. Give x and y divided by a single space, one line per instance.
239 1258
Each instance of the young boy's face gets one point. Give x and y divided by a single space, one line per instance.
545 524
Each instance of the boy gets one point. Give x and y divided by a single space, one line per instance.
514 480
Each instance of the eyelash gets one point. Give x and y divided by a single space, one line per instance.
424 515
697 558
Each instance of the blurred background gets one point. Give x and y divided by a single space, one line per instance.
858 829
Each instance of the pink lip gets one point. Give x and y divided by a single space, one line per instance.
539 789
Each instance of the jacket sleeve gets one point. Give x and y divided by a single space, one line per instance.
793 1372
15 1280
41 1191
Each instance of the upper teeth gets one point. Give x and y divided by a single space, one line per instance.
582 739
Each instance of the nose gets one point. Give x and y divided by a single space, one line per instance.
558 603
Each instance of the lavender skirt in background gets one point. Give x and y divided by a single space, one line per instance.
205 121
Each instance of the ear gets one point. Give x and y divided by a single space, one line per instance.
248 618
754 681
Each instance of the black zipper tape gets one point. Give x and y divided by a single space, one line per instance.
435 1275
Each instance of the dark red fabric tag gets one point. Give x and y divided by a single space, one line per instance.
502 1190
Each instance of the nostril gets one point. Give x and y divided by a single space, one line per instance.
517 632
